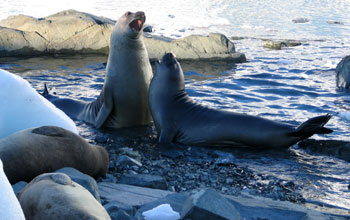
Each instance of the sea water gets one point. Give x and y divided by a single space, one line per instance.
288 85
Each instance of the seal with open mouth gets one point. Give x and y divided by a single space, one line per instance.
123 101
179 119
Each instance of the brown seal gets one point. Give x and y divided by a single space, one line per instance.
123 101
31 152
55 196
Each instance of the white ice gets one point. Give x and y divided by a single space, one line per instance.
161 212
9 205
22 107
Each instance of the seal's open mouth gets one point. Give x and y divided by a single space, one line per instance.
136 25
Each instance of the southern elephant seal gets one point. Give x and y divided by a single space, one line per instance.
179 119
123 101
31 152
9 205
55 196
22 107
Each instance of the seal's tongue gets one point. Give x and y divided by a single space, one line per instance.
136 25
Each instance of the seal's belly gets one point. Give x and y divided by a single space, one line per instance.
130 109
219 128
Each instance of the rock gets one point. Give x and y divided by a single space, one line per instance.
335 22
124 160
207 204
72 32
84 180
116 205
56 196
343 73
129 152
212 47
335 148
255 207
116 213
300 20
278 45
144 180
148 29
18 186
132 196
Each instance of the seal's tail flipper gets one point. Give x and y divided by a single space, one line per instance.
313 126
45 93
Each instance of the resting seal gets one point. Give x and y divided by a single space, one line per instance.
22 107
31 152
56 196
179 119
123 101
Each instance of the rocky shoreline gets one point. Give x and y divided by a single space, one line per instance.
73 32
142 176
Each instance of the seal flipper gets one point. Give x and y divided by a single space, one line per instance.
105 110
166 136
103 115
313 126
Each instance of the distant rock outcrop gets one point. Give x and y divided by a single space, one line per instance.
343 73
72 32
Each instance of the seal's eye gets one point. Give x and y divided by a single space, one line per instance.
128 13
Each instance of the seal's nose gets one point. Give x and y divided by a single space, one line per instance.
141 15
169 58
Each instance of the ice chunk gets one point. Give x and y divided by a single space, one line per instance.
9 205
161 212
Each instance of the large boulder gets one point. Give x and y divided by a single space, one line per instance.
71 32
343 73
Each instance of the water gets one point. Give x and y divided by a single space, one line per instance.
289 85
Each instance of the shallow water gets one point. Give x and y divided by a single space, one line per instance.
289 85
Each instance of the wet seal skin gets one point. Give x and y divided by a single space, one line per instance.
56 196
29 153
178 119
123 101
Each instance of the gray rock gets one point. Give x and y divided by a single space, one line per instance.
343 73
278 45
118 211
208 204
124 161
129 152
335 22
18 186
148 29
129 196
72 32
335 148
300 20
144 180
255 207
84 180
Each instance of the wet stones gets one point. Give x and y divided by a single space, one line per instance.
144 180
207 204
278 45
